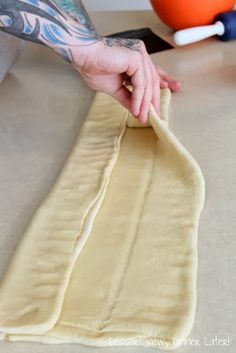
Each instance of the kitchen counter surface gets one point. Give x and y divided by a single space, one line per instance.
43 103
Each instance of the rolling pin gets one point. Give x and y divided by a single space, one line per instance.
224 27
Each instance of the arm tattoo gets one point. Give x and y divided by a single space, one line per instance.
76 10
133 44
45 22
59 24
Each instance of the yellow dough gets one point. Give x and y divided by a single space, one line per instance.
110 257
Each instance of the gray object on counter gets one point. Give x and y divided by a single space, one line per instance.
10 48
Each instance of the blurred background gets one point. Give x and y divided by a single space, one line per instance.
107 5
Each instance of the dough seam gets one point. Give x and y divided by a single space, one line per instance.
49 321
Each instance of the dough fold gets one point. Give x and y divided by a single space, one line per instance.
110 256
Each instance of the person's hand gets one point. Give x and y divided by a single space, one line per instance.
106 64
111 62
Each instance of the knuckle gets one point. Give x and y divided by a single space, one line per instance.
142 46
135 62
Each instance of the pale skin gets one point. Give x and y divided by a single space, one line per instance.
106 64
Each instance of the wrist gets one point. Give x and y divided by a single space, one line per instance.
82 52
77 46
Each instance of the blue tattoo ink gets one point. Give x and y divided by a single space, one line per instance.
6 20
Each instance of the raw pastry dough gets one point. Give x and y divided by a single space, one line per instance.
110 257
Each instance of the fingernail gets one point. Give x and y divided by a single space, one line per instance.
176 83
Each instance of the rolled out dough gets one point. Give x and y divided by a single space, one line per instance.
110 257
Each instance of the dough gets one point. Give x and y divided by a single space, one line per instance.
110 257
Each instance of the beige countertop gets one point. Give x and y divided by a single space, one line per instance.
43 102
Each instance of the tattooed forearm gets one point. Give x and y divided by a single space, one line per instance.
77 11
46 22
60 24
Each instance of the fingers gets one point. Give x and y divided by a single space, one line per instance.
163 83
123 95
167 81
107 67
146 80
146 85
138 82
148 93
156 87
137 71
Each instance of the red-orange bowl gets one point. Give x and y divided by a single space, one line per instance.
179 14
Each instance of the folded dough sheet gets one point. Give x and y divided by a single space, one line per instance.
110 257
